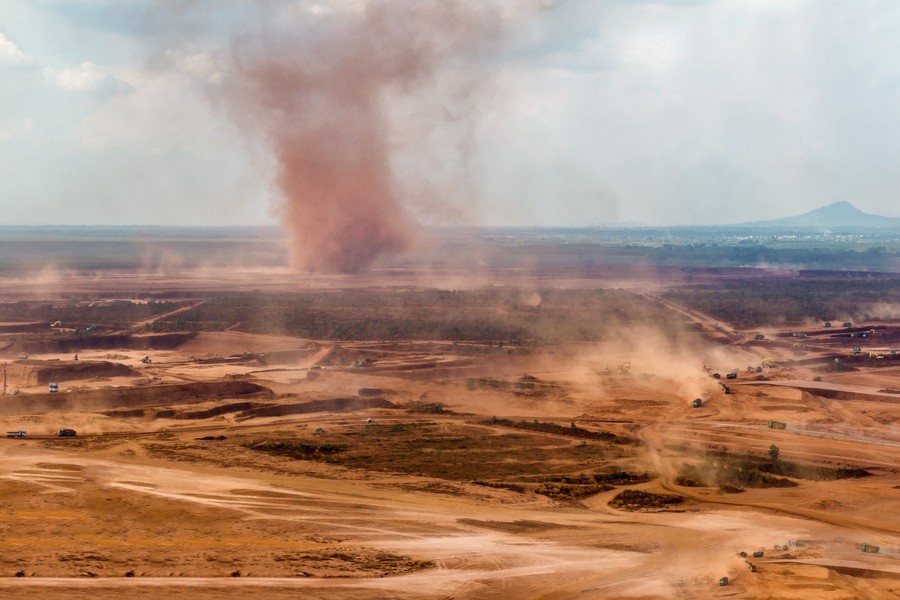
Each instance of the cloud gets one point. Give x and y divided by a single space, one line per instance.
13 129
201 67
88 77
12 54
85 78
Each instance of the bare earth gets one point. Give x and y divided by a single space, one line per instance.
406 483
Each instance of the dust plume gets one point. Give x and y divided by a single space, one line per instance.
333 88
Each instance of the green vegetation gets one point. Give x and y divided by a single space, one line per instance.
496 315
571 487
733 473
116 313
450 451
753 303
572 430
295 449
432 408
640 500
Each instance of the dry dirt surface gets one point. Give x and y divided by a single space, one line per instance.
225 463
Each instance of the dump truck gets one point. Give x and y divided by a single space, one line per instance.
16 434
777 425
870 548
697 403
66 433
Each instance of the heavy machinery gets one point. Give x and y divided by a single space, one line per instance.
777 425
697 403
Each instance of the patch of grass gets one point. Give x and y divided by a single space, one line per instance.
454 451
571 487
812 472
639 500
568 491
731 472
556 429
294 449
433 408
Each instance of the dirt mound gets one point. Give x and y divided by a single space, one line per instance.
39 326
26 373
339 356
285 357
107 398
127 341
314 406
168 413
370 392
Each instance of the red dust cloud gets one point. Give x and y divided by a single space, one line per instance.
317 84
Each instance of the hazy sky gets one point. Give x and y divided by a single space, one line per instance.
572 113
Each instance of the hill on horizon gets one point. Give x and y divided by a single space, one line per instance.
835 215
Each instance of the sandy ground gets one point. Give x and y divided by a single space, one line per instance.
137 507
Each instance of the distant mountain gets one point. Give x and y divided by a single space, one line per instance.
838 215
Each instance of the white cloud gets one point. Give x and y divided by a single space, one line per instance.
13 129
86 78
201 67
12 54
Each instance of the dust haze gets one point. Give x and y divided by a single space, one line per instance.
334 90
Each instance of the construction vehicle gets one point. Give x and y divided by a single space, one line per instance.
758 554
697 403
869 548
66 433
16 434
731 375
726 389
723 582
624 368
777 425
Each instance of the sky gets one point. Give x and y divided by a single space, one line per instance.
489 112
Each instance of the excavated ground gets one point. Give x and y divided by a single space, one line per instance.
230 463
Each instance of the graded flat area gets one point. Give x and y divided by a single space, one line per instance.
214 460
